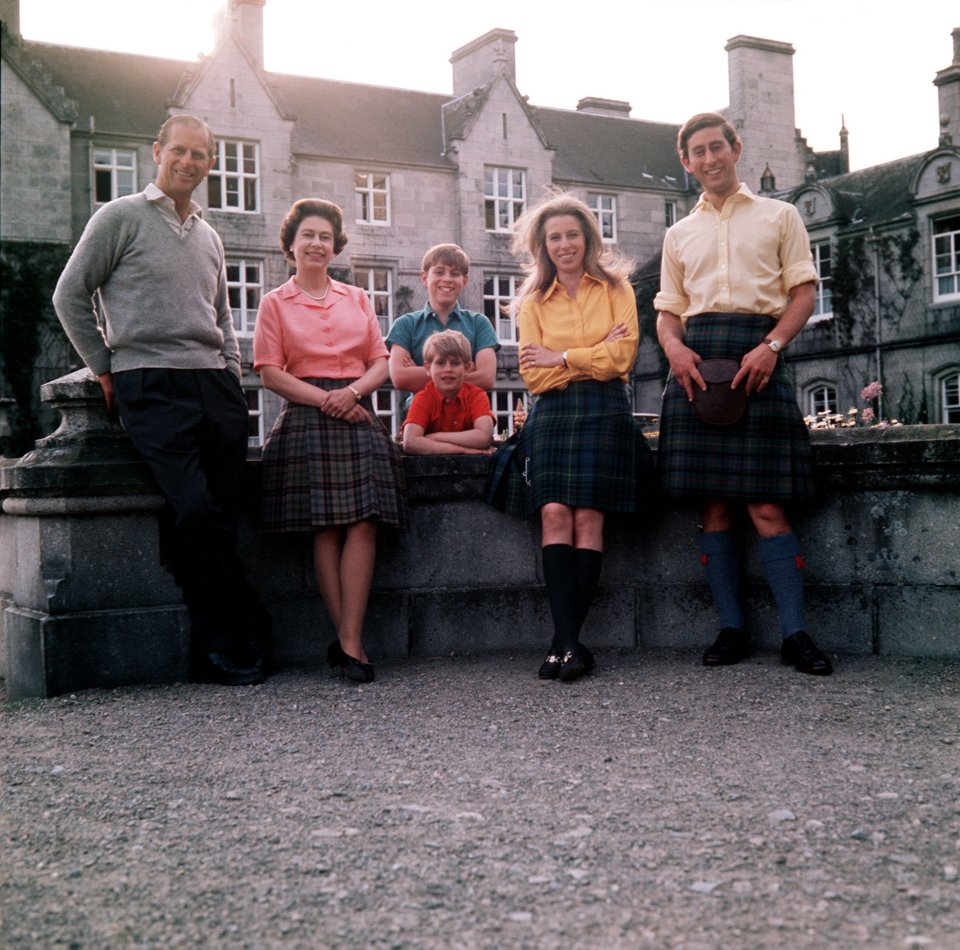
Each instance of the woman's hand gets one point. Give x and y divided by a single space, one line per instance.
343 404
533 354
617 332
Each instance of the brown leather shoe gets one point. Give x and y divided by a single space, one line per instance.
731 646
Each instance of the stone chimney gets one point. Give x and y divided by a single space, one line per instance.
948 95
243 18
762 110
478 62
597 106
10 16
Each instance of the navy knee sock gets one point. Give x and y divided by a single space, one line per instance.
560 578
720 557
783 566
588 564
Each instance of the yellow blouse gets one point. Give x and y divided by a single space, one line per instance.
579 326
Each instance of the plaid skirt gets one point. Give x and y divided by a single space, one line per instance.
764 457
319 471
578 448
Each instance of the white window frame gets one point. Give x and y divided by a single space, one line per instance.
236 174
823 262
604 208
123 176
381 299
504 404
821 398
386 405
950 397
246 290
366 192
945 251
255 413
496 304
504 197
669 213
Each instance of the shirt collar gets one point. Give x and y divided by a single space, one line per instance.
556 285
160 197
743 193
428 311
292 289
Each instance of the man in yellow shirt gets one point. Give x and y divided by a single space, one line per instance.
737 283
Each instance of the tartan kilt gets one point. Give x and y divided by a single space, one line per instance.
319 471
764 457
577 448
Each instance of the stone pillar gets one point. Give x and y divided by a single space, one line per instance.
84 601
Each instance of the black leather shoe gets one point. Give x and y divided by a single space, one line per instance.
800 651
225 670
550 667
731 646
575 663
353 669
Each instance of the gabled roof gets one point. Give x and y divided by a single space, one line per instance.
873 196
129 94
606 150
125 93
354 120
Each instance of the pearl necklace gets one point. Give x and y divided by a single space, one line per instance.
322 296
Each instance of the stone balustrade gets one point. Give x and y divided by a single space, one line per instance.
85 602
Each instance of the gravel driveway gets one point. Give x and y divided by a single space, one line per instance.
460 802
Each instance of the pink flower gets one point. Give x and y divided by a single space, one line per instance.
871 391
867 415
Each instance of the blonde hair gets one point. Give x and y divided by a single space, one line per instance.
598 261
447 343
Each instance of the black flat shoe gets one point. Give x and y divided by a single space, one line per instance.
731 646
550 667
575 663
225 671
353 669
799 650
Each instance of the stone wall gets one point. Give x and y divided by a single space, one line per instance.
86 603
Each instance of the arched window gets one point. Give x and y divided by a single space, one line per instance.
821 398
950 397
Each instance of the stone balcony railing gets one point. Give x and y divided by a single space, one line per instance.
85 602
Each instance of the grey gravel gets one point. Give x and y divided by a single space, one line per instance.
460 802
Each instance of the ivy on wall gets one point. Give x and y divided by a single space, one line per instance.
28 275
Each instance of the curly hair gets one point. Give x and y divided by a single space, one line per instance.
309 207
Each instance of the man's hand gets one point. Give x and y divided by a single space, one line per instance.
683 366
756 368
106 384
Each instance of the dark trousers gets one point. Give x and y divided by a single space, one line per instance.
190 427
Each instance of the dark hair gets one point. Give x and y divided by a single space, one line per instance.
306 208
184 118
598 261
705 120
450 254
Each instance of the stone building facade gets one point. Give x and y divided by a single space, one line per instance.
412 169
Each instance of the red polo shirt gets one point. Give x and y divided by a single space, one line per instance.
435 413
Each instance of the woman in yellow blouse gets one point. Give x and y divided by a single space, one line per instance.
578 342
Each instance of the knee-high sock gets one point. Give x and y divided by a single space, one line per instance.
589 563
783 566
560 578
720 557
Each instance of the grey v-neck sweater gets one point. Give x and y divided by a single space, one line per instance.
137 295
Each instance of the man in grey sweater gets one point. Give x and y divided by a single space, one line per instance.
144 301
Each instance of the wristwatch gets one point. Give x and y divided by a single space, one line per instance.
563 356
774 345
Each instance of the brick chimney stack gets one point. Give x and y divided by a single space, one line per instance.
244 18
948 96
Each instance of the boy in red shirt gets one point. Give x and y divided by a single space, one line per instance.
448 416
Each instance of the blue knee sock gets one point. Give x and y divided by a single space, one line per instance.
720 557
783 565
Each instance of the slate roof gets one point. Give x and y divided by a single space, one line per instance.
874 196
128 93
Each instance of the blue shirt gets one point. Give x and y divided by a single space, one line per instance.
412 329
